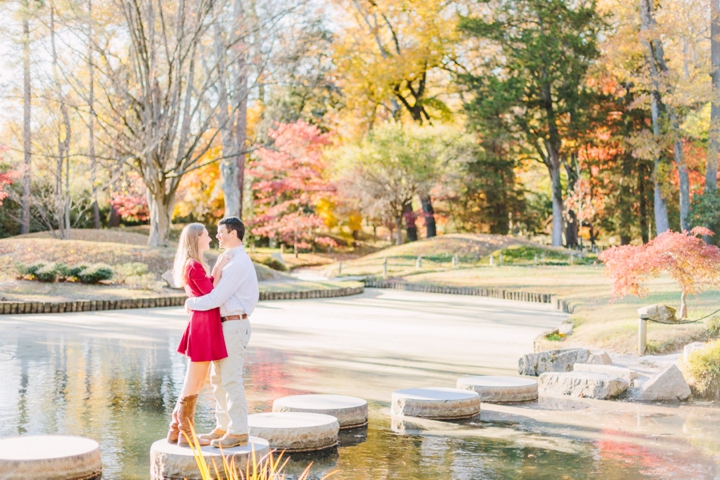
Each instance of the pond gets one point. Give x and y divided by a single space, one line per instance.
116 381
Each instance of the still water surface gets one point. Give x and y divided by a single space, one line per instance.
117 384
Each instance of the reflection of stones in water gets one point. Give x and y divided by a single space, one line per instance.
352 436
404 426
321 461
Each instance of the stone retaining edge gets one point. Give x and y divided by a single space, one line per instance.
475 291
7 308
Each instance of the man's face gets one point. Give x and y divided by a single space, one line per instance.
223 235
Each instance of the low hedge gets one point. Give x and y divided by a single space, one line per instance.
55 272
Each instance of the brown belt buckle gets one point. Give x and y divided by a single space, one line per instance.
233 317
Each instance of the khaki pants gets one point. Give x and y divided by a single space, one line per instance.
226 378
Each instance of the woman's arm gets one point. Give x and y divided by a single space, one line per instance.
198 277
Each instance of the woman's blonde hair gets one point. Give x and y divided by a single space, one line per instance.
188 249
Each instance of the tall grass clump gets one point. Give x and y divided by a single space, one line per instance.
703 369
267 467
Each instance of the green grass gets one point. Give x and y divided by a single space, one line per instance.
599 322
472 251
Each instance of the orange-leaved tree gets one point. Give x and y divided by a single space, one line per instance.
692 263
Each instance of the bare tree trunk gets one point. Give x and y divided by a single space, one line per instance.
161 207
557 202
684 186
398 230
714 132
91 120
63 141
429 215
228 165
27 141
655 57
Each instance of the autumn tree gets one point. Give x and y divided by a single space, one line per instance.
692 263
536 78
392 62
288 181
392 164
160 95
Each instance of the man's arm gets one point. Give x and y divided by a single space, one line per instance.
231 278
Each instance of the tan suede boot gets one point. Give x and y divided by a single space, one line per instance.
214 435
186 417
229 440
174 432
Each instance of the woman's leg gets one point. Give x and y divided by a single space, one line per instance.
194 378
194 381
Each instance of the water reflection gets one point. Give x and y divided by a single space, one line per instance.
119 389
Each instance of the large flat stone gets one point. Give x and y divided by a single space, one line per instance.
620 372
61 457
494 389
562 360
295 431
438 403
171 461
351 412
668 385
581 384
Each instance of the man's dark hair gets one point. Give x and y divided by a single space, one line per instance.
234 223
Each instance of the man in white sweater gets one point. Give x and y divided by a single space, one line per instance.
236 294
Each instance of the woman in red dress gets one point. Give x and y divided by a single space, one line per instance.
203 340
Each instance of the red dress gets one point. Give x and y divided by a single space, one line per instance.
203 340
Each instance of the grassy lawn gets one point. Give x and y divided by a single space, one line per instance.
472 250
114 247
598 322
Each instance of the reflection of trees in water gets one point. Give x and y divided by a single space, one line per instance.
267 377
116 391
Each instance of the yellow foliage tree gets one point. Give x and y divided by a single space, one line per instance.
389 57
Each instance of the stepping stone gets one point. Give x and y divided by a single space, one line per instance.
621 372
351 412
435 403
62 457
295 431
501 389
169 461
581 384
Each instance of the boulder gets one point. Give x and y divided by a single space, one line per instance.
169 280
691 347
551 361
278 256
599 357
581 384
668 385
620 372
658 313
565 329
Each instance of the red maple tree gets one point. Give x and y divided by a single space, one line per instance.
6 178
288 181
692 263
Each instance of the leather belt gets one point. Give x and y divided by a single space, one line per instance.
233 317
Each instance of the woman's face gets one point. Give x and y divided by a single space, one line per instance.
204 241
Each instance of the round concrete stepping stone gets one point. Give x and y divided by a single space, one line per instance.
295 431
170 461
437 403
351 412
501 389
61 457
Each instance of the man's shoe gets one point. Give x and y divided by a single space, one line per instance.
214 435
229 440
